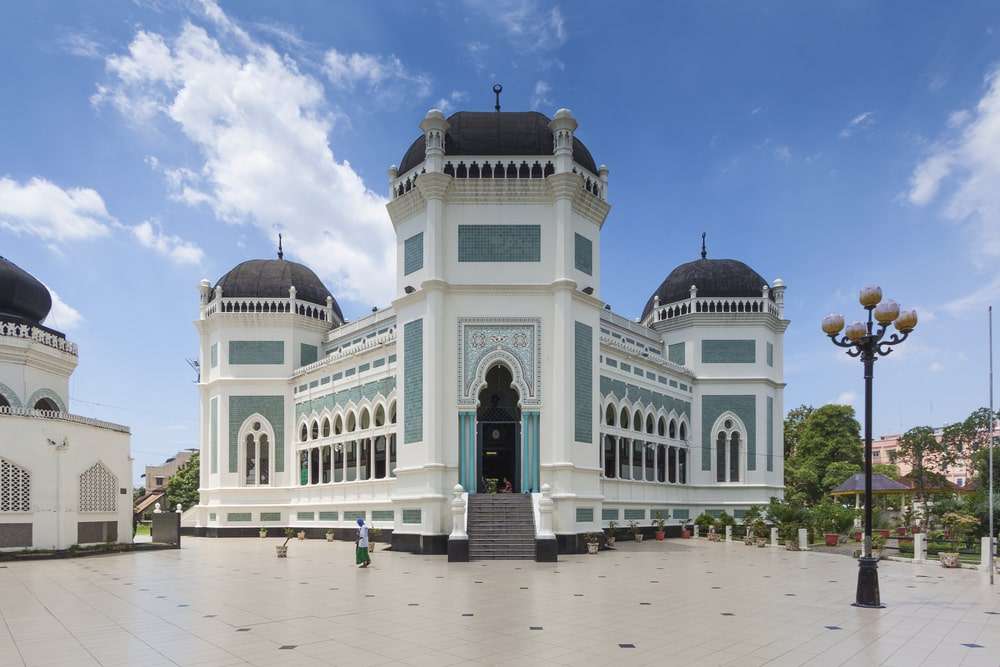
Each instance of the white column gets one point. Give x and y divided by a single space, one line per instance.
804 539
984 551
919 547
458 505
696 530
729 533
774 537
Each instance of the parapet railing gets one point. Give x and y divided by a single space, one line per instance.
499 168
238 305
37 334
62 416
715 305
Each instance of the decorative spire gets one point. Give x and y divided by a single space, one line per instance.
704 253
497 89
281 253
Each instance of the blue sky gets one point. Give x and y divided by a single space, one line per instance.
146 145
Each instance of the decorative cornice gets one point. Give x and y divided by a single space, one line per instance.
433 185
564 185
406 206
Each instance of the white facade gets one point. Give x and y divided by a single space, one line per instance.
497 281
64 479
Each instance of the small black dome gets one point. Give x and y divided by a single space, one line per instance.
22 296
489 133
271 278
712 277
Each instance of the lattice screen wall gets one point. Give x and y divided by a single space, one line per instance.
15 488
98 490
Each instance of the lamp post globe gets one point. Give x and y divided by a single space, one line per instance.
855 331
906 322
886 312
832 324
870 295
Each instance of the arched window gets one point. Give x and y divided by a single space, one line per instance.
637 421
673 429
650 455
365 459
734 457
256 439
379 416
338 463
661 427
315 430
304 433
351 449
623 422
46 404
326 427
4 403
366 419
338 425
661 463
609 455
314 464
672 466
684 431
624 470
351 422
609 416
380 454
392 412
682 465
727 451
637 448
649 424
326 464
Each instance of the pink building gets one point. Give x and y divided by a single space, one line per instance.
884 451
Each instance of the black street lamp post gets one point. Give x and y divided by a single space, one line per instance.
868 342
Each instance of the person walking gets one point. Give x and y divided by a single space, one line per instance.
361 545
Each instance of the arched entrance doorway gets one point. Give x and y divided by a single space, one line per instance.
498 430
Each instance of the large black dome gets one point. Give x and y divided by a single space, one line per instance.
22 296
490 133
712 277
271 278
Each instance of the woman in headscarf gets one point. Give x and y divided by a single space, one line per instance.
361 545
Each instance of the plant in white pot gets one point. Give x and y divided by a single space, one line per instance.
612 527
959 526
262 532
636 532
282 548
329 535
593 543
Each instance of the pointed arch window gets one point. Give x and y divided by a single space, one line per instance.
728 451
255 461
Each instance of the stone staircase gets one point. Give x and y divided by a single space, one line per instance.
501 527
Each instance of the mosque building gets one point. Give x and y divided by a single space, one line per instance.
498 366
64 479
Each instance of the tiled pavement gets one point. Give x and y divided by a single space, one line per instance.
682 602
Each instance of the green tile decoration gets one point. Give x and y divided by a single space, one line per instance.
214 354
682 514
256 352
499 243
770 434
412 516
270 516
635 394
364 367
728 351
413 381
273 409
583 254
211 516
770 353
613 363
584 514
378 362
383 515
675 353
353 515
213 432
413 254
609 514
328 516
744 407
635 515
238 516
626 368
307 354
305 516
583 384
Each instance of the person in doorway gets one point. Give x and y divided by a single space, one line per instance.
361 545
506 487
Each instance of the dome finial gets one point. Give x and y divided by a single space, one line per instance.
497 89
281 253
704 252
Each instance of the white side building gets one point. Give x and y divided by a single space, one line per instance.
497 359
64 479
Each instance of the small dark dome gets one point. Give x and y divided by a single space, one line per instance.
22 296
489 133
712 277
271 278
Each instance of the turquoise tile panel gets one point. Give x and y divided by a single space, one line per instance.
675 353
744 407
270 516
647 397
583 383
609 514
238 516
383 515
770 354
307 354
728 351
273 409
584 514
770 434
213 432
635 515
413 381
353 515
583 254
305 516
499 243
413 254
256 352
214 354
412 516
327 516
682 514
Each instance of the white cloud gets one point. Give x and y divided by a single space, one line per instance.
383 76
63 316
447 104
935 367
172 247
527 23
261 127
43 209
80 44
860 122
783 153
846 398
540 96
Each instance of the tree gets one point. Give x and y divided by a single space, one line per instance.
829 435
183 486
965 438
793 426
889 470
979 501
928 456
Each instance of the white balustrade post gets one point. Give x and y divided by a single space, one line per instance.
156 509
458 514
803 539
774 537
179 510
984 551
729 533
545 508
696 531
919 547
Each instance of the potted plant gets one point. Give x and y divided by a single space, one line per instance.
661 528
686 529
329 535
612 527
491 486
282 548
705 523
959 526
636 532
759 530
262 532
831 519
878 544
302 534
593 543
373 535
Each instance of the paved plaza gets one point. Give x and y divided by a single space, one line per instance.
682 602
